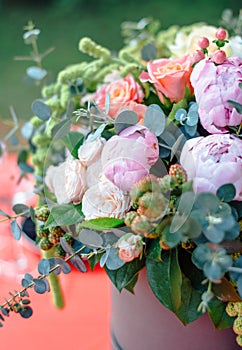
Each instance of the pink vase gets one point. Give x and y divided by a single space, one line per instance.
140 322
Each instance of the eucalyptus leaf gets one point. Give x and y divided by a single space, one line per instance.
64 265
67 248
44 267
90 238
39 286
98 132
149 52
4 214
27 130
73 140
155 119
26 168
113 261
26 312
78 263
16 230
124 120
41 110
20 209
61 129
226 192
104 257
36 73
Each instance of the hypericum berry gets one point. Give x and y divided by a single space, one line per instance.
238 307
55 234
68 238
59 251
153 205
219 57
239 340
230 309
203 42
221 34
141 225
45 244
130 217
42 213
42 231
237 326
178 173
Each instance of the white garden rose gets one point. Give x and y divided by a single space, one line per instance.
90 151
236 45
93 173
75 180
104 200
55 181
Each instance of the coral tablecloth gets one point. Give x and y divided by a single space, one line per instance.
83 323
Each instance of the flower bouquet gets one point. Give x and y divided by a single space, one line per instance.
137 161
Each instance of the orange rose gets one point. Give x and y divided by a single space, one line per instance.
170 77
121 92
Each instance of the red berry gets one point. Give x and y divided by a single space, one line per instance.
198 55
219 57
221 34
203 42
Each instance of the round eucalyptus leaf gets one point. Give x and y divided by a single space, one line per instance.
124 120
64 265
26 312
20 208
30 36
90 238
44 267
113 261
226 192
16 230
36 73
14 140
155 119
41 110
27 130
104 258
39 286
78 264
149 52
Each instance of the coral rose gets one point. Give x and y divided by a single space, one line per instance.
213 86
104 200
121 92
213 161
170 77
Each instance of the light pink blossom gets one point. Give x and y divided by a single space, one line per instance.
213 161
129 246
90 151
75 180
213 86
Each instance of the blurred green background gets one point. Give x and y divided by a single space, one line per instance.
64 22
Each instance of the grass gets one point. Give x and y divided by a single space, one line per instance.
63 26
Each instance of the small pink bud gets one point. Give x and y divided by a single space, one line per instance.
203 43
198 56
219 57
221 34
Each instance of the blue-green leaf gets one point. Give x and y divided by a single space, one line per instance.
41 110
155 119
124 120
16 230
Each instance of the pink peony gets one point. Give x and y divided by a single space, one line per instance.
121 92
213 86
104 199
127 157
213 161
129 246
170 77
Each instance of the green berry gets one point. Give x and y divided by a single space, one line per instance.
42 231
42 213
178 172
45 244
55 234
59 251
68 238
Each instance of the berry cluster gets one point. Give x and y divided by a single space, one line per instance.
219 55
49 238
234 309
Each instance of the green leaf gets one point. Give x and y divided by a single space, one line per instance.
41 110
98 132
100 224
191 298
154 250
236 105
62 215
218 314
155 119
125 274
94 260
226 192
148 52
131 285
124 120
20 209
61 129
175 107
165 279
73 140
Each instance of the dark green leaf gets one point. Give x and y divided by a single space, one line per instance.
62 215
100 224
124 120
73 140
154 250
236 105
125 274
26 168
226 192
94 260
61 129
218 314
41 110
155 119
131 285
32 214
16 230
44 267
165 279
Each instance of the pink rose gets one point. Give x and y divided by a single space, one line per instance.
170 77
130 247
90 151
213 86
213 161
127 157
120 92
104 200
75 180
